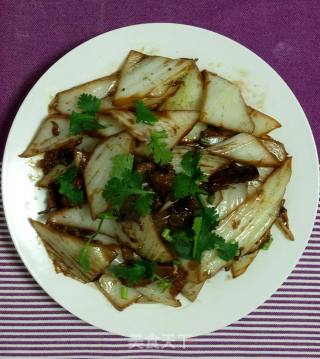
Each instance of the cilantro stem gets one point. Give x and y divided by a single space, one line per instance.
198 231
124 293
83 258
166 234
143 114
211 198
195 247
201 200
142 191
197 227
163 282
93 236
156 277
177 262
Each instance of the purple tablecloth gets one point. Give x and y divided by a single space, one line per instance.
33 35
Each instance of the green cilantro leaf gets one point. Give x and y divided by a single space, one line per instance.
157 147
211 217
80 122
191 242
68 189
88 103
134 272
203 227
131 274
143 204
185 184
143 114
125 183
117 190
120 164
226 250
189 163
182 242
205 238
86 120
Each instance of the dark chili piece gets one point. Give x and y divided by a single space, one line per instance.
233 174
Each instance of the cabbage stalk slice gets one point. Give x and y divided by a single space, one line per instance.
88 144
195 133
232 197
176 124
80 217
247 223
159 93
208 163
144 300
46 140
240 266
111 126
51 176
98 170
65 249
263 123
223 105
154 293
189 94
245 148
65 102
191 290
276 148
143 237
192 269
144 76
111 287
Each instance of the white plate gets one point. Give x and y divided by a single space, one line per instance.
223 300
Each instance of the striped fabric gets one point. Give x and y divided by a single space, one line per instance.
33 326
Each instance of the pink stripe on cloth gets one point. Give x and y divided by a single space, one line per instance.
32 325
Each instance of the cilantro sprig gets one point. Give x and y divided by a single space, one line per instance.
181 241
162 282
87 119
68 189
84 254
192 241
135 271
157 147
89 103
125 183
185 183
205 238
143 114
120 164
